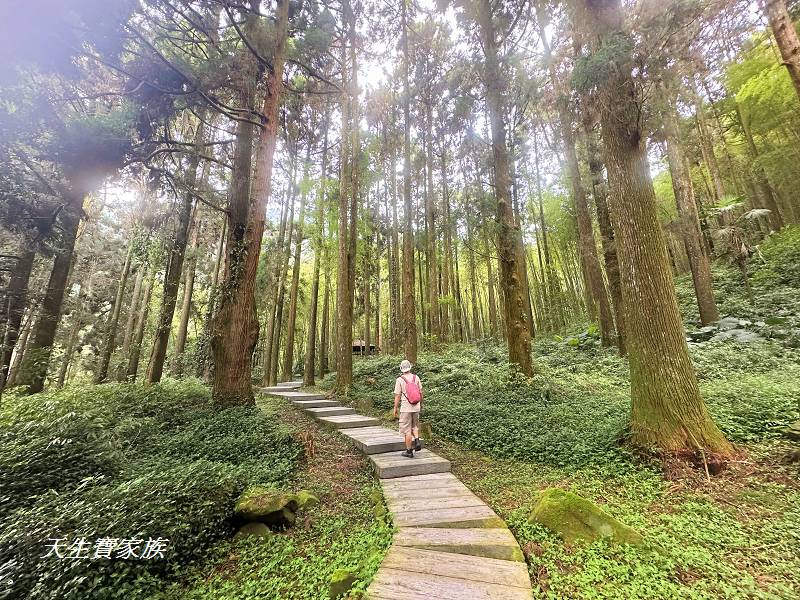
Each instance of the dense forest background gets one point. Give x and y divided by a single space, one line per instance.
233 193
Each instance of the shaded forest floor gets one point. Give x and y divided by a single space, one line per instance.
737 536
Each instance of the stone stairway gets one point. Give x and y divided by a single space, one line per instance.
449 544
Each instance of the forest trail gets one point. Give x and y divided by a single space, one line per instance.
449 544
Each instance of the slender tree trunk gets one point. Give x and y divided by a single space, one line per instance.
139 330
133 307
78 318
707 150
172 275
111 335
39 351
600 195
323 330
786 37
597 297
204 359
766 197
186 304
17 359
236 324
508 239
667 409
277 328
278 276
17 296
409 317
687 213
288 354
430 230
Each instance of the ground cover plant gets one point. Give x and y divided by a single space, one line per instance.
125 461
347 534
736 535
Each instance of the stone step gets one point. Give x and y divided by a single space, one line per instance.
450 491
330 411
421 500
349 421
490 543
315 403
391 464
395 584
376 440
460 566
283 387
454 518
292 395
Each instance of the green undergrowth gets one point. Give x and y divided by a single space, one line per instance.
125 461
735 537
576 408
346 531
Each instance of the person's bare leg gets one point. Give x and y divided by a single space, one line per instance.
409 440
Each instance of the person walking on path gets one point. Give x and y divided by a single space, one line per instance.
408 396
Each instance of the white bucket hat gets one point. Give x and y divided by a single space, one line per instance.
405 366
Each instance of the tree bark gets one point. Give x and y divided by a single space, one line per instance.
508 239
111 334
139 331
204 361
236 325
186 303
600 195
687 214
786 37
348 204
409 317
174 269
667 409
131 321
288 354
17 296
37 357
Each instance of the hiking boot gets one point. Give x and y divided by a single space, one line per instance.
417 444
407 453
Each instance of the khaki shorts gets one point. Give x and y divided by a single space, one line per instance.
408 421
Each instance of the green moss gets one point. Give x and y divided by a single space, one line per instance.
577 519
341 582
259 503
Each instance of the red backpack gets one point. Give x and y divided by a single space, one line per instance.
413 393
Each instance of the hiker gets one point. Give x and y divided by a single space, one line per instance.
408 396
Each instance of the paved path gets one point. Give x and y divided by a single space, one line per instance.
449 544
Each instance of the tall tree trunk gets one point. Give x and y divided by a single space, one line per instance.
288 354
707 149
277 280
597 297
766 197
17 296
319 236
37 357
111 334
323 330
204 361
186 303
667 409
600 195
78 318
131 321
17 359
172 275
236 324
139 330
473 284
432 260
508 239
687 210
786 37
409 317
277 328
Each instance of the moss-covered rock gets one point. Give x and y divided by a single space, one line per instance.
274 508
793 431
252 530
305 499
575 518
340 583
